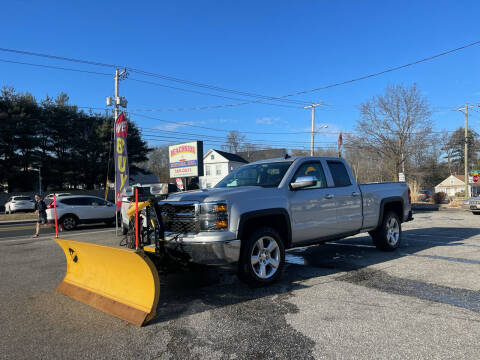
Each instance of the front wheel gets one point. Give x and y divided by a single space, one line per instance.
388 236
69 222
262 258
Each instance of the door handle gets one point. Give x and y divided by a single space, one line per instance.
355 193
329 196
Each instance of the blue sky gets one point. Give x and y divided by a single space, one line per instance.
265 47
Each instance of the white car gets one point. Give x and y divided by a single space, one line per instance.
49 197
73 210
19 203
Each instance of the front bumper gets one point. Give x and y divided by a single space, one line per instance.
208 249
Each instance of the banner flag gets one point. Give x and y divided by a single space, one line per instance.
121 158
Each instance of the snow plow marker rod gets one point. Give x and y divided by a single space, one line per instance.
120 282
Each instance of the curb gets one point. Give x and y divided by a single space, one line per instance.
13 222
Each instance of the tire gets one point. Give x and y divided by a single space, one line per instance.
257 265
389 235
69 222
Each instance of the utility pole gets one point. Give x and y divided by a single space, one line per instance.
467 195
465 111
312 142
117 102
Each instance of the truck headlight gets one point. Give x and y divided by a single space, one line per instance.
213 216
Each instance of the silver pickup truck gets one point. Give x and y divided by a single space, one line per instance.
265 207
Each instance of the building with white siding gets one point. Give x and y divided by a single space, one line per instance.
218 164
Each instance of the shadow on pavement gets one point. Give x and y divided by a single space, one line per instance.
219 287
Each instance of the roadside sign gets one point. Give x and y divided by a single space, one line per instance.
180 183
475 178
186 160
401 177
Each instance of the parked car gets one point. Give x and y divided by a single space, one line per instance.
73 210
49 197
19 203
474 205
262 208
425 195
160 191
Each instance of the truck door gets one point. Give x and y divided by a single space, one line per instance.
313 208
348 198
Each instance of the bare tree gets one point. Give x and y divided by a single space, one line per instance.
234 142
158 163
447 147
395 125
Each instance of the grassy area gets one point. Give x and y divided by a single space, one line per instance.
18 216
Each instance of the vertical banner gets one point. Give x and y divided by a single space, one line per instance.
121 158
339 144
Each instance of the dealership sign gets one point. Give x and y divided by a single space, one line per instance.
186 159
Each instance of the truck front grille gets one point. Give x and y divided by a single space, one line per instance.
180 217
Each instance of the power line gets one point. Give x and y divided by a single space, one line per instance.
203 93
152 83
139 71
54 67
264 98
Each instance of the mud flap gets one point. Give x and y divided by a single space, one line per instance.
120 282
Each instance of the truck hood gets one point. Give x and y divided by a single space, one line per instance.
205 195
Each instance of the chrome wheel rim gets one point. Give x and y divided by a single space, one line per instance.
393 231
265 257
69 223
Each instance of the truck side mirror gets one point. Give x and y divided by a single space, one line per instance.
303 182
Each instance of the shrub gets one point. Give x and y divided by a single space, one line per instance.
439 197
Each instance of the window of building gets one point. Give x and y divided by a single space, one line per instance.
218 169
212 157
207 170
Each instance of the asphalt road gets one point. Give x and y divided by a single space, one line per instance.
22 229
340 300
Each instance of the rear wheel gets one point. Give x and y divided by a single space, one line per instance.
69 222
262 258
388 236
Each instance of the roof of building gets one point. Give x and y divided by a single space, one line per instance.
256 155
230 156
148 178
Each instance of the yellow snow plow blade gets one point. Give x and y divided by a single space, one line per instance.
121 282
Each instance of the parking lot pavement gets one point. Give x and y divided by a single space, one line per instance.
343 299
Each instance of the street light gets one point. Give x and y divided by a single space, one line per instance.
313 136
39 178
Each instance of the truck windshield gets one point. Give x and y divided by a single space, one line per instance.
266 175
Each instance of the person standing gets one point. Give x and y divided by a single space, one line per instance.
41 211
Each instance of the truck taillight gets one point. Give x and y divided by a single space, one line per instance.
409 196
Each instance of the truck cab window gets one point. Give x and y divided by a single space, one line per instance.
312 169
339 173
